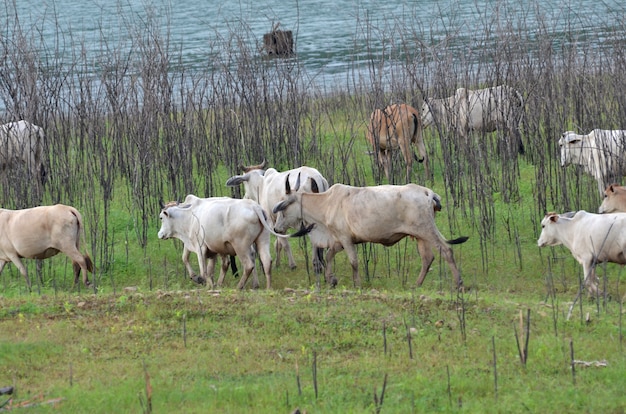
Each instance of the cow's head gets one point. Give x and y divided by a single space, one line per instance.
286 211
614 200
169 213
571 145
549 231
551 228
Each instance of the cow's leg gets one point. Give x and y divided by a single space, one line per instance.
224 269
266 261
590 278
426 253
405 148
447 253
210 271
3 264
79 261
282 244
330 255
190 271
318 260
385 161
354 262
247 261
204 267
18 262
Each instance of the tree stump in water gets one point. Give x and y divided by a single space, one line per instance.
279 43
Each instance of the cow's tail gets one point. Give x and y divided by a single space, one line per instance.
80 232
88 262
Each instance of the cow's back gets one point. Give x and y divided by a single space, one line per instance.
226 218
406 204
33 230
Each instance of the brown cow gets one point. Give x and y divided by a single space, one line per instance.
40 233
614 200
397 126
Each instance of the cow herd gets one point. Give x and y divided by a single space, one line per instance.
336 217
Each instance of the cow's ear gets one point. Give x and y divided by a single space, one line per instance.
554 218
287 186
314 187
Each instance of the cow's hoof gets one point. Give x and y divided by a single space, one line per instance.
333 282
199 280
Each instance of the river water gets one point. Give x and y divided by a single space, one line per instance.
330 35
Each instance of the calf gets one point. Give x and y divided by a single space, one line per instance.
192 199
591 238
222 226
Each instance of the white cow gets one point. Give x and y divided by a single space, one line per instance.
221 226
345 216
192 199
22 146
267 187
591 238
499 108
601 153
40 233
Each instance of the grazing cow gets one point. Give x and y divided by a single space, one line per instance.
192 199
40 233
614 200
601 153
345 216
498 108
221 226
591 238
267 187
397 126
22 145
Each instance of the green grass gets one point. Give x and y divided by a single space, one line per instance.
244 351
